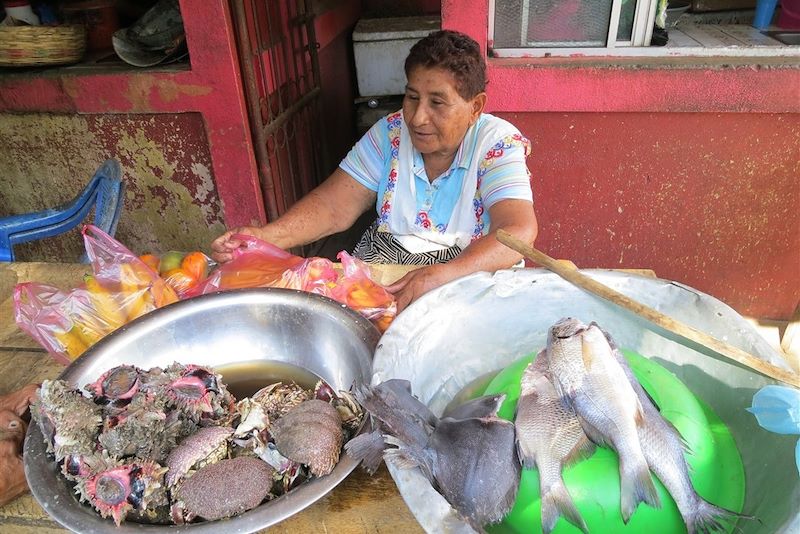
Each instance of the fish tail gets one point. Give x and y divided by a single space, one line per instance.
367 449
556 502
636 485
708 518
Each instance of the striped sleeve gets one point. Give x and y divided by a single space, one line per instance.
366 160
507 176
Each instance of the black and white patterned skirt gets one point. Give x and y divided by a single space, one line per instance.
384 248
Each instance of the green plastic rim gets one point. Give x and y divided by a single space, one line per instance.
716 468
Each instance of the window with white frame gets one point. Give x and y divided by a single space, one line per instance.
548 24
611 28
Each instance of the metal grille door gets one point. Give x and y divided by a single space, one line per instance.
280 71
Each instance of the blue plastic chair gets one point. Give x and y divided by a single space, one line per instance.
105 192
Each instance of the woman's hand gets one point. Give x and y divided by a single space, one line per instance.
418 282
222 247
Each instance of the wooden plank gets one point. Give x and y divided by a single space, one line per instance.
21 367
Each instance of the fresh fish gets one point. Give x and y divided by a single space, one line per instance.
664 450
549 436
588 378
471 462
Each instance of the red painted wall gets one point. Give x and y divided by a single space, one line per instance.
709 200
689 167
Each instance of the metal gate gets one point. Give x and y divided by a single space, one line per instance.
280 73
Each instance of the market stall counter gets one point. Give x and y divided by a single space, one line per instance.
361 503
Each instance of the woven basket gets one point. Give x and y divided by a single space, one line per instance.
27 46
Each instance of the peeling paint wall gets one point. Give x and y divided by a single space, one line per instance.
171 201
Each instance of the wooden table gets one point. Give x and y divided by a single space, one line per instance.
359 504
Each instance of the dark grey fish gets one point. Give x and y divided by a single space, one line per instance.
549 436
471 462
588 378
664 450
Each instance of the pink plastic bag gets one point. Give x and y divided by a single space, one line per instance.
357 289
63 322
120 289
262 264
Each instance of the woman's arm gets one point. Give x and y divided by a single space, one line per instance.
331 207
516 217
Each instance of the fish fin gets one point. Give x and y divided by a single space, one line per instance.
636 485
401 458
582 450
480 407
528 461
406 456
586 354
368 449
557 502
708 518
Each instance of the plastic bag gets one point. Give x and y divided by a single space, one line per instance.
44 312
262 264
120 289
182 271
777 409
123 287
357 289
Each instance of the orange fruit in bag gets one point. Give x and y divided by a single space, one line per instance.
195 264
151 260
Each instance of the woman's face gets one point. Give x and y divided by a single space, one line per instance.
436 115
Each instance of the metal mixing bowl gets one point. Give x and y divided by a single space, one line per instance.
306 330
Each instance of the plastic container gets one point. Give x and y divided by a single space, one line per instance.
765 11
100 19
380 47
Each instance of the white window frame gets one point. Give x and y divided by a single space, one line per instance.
642 30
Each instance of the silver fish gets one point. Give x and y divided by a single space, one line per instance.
588 378
664 450
549 436
471 462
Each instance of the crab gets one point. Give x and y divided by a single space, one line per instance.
311 434
206 446
245 480
69 421
115 489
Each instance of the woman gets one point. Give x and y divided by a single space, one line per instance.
442 175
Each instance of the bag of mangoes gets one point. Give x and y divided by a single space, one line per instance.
182 271
120 288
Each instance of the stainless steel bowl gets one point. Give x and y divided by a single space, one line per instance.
306 330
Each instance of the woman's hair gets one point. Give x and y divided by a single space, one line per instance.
455 52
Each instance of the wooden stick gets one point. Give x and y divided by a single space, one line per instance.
667 323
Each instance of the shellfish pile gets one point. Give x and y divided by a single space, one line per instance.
157 446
